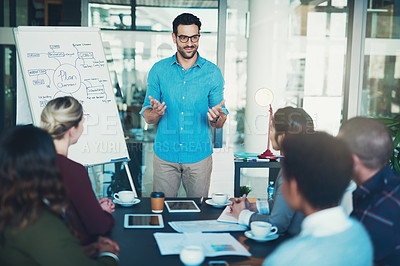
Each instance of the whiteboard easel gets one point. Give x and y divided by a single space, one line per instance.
60 61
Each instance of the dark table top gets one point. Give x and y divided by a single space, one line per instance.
138 246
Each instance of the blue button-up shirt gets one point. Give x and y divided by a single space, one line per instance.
183 132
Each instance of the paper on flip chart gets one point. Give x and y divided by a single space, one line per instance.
205 226
213 244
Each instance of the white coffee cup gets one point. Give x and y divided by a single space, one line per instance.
219 198
124 196
262 229
192 255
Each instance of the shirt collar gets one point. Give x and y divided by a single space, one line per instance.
326 222
374 184
199 62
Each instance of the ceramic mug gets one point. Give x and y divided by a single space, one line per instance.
124 196
219 198
262 229
192 255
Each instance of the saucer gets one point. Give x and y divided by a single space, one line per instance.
212 203
126 204
249 234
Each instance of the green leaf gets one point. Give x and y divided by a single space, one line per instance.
393 124
245 190
396 165
396 139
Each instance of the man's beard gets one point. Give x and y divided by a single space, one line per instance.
184 54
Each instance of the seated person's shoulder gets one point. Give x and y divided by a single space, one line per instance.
358 229
46 222
66 164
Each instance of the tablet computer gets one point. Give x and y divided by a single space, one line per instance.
143 221
181 206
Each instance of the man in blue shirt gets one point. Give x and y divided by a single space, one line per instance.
184 98
376 201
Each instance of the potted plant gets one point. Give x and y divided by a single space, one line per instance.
245 190
393 123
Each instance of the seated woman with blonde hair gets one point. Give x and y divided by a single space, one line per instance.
33 199
63 119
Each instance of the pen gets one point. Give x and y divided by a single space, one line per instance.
201 200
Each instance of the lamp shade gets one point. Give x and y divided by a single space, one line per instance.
264 97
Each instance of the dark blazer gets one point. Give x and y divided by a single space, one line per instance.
46 242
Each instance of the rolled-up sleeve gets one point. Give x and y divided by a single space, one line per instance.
217 91
153 88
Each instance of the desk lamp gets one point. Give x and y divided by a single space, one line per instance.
264 98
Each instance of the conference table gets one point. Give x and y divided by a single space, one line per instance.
139 247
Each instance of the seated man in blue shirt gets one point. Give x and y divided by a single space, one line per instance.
316 171
184 98
376 201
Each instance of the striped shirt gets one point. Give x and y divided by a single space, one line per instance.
376 204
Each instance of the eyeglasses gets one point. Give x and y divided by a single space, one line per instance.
184 38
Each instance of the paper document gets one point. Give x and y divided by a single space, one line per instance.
205 226
213 244
225 217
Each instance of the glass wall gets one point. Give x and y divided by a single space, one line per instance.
306 57
8 56
298 52
8 19
381 84
316 62
235 74
105 16
131 54
295 48
147 18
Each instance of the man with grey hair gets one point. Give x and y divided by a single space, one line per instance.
376 201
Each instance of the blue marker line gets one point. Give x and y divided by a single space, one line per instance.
255 160
120 159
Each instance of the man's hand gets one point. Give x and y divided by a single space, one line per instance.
158 108
215 115
215 112
152 115
238 205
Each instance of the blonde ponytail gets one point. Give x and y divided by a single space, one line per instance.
61 114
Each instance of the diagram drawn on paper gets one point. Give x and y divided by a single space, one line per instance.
70 61
74 72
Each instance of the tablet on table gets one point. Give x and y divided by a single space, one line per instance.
143 221
181 206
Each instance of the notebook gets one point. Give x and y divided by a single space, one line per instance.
226 218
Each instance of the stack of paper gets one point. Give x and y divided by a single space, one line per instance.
205 226
213 244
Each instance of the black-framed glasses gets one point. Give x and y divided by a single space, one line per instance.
185 38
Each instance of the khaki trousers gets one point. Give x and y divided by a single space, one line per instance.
195 177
